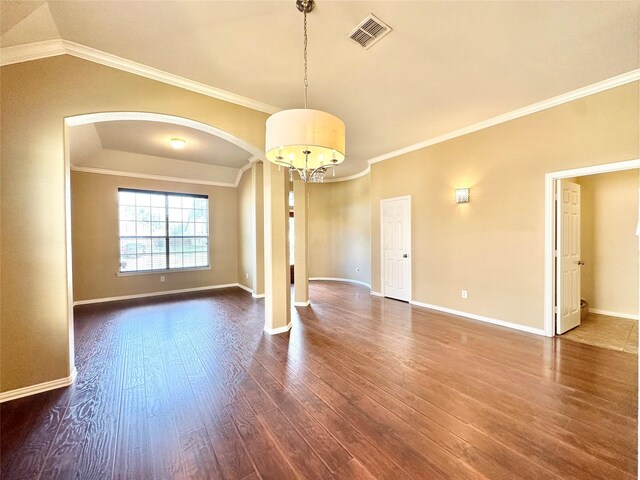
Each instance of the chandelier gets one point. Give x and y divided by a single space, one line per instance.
308 142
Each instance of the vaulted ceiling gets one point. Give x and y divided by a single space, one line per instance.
444 66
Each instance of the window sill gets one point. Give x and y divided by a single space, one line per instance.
161 272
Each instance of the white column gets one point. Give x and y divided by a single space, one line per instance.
258 246
277 276
301 260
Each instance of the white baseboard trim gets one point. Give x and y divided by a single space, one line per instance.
153 294
302 304
39 388
348 280
245 288
375 294
259 295
276 331
473 316
613 314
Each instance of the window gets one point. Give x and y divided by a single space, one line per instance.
162 231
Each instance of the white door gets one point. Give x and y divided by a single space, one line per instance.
568 261
396 248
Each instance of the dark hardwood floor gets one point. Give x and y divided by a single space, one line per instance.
361 388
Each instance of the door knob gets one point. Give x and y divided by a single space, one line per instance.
405 255
580 262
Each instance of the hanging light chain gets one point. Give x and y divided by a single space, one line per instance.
305 172
306 81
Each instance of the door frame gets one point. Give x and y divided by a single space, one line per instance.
550 229
382 202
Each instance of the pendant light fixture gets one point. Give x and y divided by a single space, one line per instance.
308 142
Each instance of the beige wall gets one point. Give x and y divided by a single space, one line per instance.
340 230
494 246
251 229
36 97
609 245
94 220
246 229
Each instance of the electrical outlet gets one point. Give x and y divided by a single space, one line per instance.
465 294
246 276
162 278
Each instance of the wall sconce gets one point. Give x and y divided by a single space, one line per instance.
462 195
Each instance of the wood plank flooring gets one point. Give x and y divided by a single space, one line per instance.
362 387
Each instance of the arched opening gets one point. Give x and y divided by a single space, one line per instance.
253 153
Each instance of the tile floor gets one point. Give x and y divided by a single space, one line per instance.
608 332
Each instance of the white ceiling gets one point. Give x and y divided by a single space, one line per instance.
152 138
445 65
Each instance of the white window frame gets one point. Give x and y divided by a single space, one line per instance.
167 237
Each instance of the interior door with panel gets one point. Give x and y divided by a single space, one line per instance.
396 247
568 260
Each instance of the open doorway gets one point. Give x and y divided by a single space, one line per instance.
142 223
596 263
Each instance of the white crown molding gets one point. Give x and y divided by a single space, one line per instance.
473 316
366 171
613 82
244 168
51 48
148 176
39 388
31 51
335 279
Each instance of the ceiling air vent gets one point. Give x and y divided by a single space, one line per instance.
370 30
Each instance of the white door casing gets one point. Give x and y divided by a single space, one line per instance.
568 256
395 227
550 227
